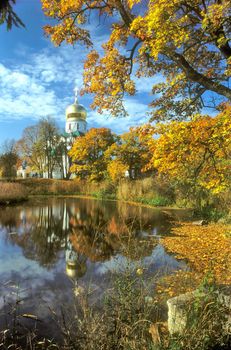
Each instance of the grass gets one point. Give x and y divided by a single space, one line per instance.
51 186
148 191
128 318
12 192
126 190
158 201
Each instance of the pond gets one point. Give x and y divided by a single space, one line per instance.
50 246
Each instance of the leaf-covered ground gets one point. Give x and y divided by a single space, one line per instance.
207 249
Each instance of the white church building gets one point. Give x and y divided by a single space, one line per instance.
76 126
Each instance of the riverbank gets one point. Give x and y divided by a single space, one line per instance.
147 192
140 193
11 193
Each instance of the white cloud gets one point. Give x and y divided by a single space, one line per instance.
137 116
23 95
41 84
145 84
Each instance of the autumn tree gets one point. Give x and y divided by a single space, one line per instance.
196 154
40 146
49 144
184 43
131 153
30 150
117 170
8 15
8 159
88 154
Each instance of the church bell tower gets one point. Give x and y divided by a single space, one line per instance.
76 116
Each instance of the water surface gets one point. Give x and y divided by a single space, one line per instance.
51 246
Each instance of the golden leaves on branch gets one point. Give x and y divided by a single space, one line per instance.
184 41
108 78
196 152
88 154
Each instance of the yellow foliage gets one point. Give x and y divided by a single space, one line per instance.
186 41
116 169
132 152
207 249
178 283
197 152
87 154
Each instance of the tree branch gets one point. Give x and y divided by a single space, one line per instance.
130 58
197 77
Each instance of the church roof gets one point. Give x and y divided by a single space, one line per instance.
76 111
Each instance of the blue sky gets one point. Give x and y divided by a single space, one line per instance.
37 79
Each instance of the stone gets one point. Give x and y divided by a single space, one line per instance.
200 223
177 310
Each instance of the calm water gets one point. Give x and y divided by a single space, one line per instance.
49 247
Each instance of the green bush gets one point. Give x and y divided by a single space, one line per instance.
108 192
156 202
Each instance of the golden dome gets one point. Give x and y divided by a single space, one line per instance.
76 111
75 270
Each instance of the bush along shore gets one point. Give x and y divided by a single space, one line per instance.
11 192
152 191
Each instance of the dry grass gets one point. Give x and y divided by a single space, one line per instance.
65 187
50 186
128 318
12 192
145 189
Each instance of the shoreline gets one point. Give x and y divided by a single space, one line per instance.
83 196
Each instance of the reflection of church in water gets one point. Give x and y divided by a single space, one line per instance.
76 266
81 233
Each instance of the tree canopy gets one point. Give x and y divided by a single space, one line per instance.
40 146
8 16
130 153
88 154
8 159
196 154
186 43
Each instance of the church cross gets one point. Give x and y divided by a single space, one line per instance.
76 91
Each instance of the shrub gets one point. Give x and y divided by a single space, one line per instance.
65 187
148 188
12 192
108 191
158 201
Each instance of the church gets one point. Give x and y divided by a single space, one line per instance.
76 126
